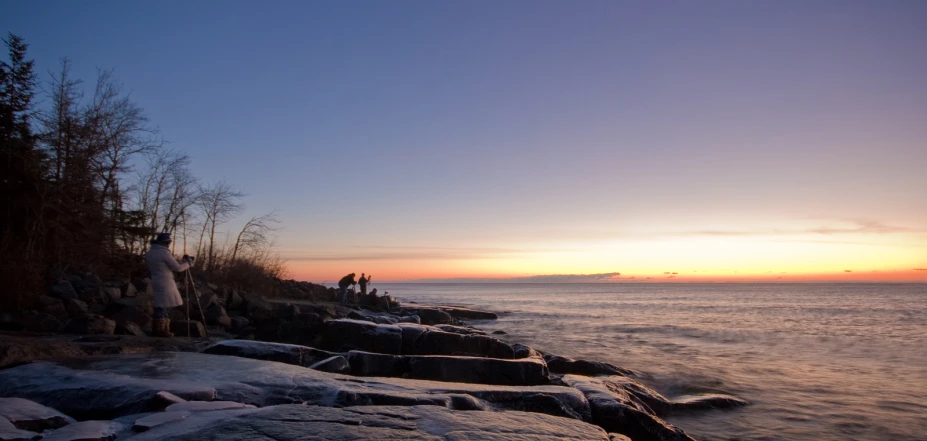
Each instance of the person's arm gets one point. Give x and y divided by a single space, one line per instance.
174 265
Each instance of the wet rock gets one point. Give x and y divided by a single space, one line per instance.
615 411
430 316
468 314
9 432
85 431
346 334
125 384
203 406
63 290
258 350
185 328
710 401
29 415
418 423
132 314
336 364
151 421
162 400
566 365
90 324
499 332
523 372
522 351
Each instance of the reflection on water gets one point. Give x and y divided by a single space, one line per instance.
818 361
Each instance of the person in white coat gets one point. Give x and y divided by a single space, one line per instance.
162 265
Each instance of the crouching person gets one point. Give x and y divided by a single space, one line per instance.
162 265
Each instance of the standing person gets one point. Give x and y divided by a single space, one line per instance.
162 265
343 285
363 284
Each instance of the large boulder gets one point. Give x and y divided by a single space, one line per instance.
112 386
416 423
617 411
427 340
90 324
346 334
258 350
216 316
524 372
63 290
76 307
29 415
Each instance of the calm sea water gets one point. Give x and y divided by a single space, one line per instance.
817 361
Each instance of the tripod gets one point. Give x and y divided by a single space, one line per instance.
188 281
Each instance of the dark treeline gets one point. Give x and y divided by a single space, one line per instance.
86 181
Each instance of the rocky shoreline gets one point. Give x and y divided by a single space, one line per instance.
82 368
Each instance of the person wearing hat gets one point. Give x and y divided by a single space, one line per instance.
162 265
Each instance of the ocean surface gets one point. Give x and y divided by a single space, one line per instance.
817 361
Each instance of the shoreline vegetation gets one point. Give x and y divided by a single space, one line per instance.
86 181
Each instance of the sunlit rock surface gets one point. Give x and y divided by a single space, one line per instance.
122 385
297 422
29 415
617 411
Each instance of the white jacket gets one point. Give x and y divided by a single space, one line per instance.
161 264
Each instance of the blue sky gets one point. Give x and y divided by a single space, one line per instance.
520 138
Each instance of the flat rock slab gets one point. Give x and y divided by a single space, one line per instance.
107 387
32 416
204 406
85 431
22 348
468 314
523 372
425 423
259 350
151 421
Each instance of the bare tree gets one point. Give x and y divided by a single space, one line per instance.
166 190
219 203
256 233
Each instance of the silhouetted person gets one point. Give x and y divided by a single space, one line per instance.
162 265
343 285
363 283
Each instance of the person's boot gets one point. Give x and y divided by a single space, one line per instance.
161 327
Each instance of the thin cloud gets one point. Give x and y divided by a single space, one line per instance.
382 252
920 269
544 278
848 271
858 227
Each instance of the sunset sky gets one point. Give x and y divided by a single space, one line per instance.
665 140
